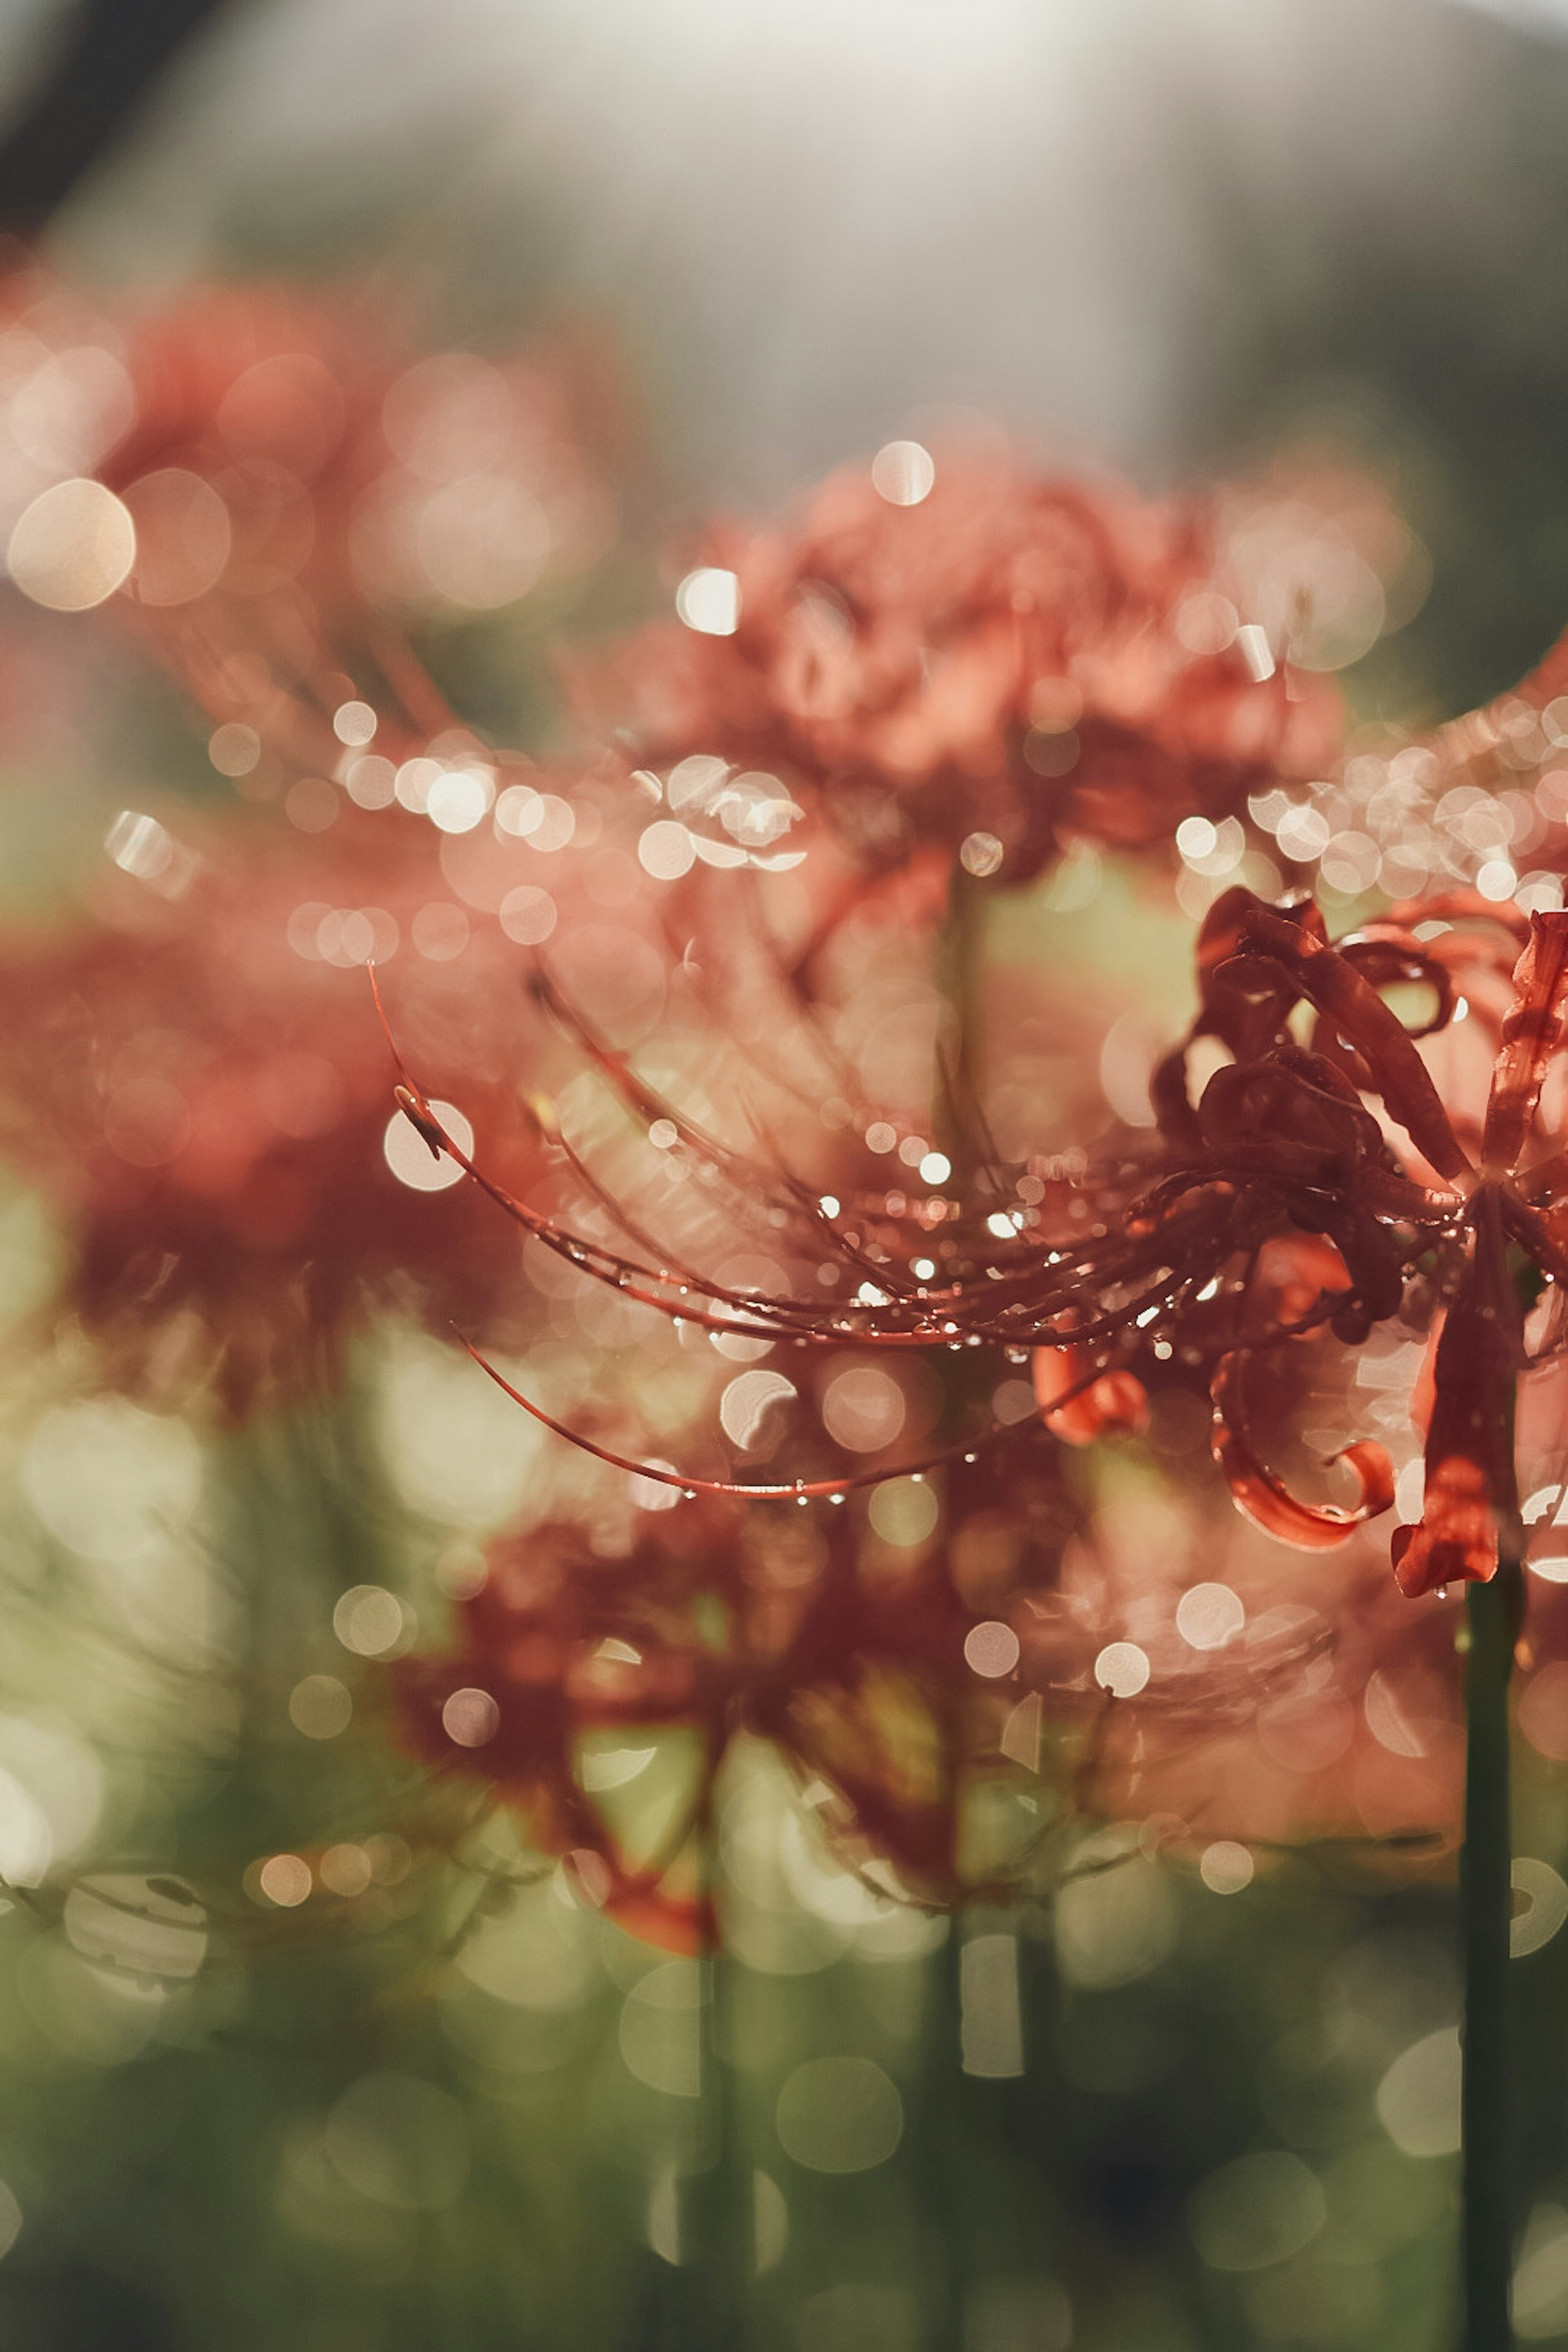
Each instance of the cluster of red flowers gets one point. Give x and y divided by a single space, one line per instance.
1357 1156
1242 1258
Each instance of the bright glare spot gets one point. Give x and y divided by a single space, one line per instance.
709 600
1497 879
285 1880
371 783
1303 833
839 2114
922 1268
519 811
1252 645
881 1137
829 1204
1122 1669
1196 836
1256 2212
652 1494
1118 1920
27 1846
528 915
1226 1867
664 1135
111 1481
320 1706
903 1512
612 1768
554 825
770 2221
1539 2303
457 799
980 853
660 2030
151 1927
482 542
992 1649
1409 1489
665 850
232 749
902 473
140 846
440 929
400 2142
664 2217
991 2025
743 1407
696 782
1418 2098
345 1870
183 536
72 547
412 783
370 1620
1209 1616
470 1717
1205 623
1546 1905
11 2220
353 723
863 1409
935 1168
408 1155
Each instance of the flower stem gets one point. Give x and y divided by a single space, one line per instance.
1485 1902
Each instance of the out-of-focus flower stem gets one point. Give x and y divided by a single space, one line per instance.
961 976
1486 1904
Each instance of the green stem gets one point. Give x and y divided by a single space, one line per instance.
1486 1904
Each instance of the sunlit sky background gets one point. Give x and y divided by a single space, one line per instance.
1143 231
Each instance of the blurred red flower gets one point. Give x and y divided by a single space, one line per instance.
998 665
197 1078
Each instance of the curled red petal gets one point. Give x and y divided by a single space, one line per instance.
1474 1359
1338 990
1531 1034
1259 1496
1081 1408
1457 1542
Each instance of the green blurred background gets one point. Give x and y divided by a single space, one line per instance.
1175 237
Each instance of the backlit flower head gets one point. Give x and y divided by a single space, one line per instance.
272 491
1277 1209
197 1076
969 655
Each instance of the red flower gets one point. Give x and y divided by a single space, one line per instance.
1279 1205
843 1651
1004 664
302 482
199 1082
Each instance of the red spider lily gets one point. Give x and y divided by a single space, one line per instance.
1278 1206
902 1685
197 1081
1011 659
303 483
843 1652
